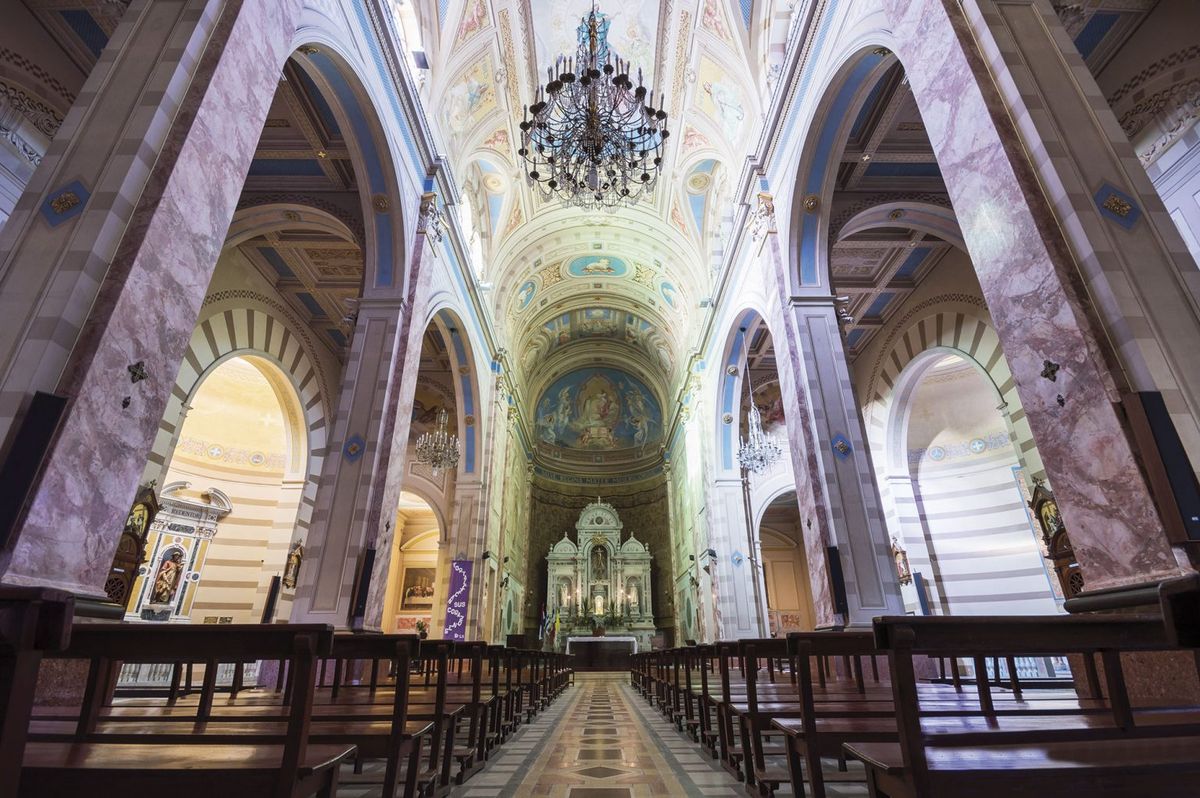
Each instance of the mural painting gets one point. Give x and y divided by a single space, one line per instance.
720 98
525 294
472 97
597 266
631 32
598 408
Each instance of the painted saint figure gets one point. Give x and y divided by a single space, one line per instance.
166 581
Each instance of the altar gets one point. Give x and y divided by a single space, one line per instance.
605 653
599 582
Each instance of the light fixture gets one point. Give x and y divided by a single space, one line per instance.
592 138
438 448
761 450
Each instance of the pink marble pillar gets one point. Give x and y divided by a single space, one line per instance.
1032 290
144 306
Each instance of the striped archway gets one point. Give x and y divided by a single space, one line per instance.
951 324
238 323
957 322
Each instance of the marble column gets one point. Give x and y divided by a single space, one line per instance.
360 485
1055 346
835 461
108 254
835 482
737 605
1141 280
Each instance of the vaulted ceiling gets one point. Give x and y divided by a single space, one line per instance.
572 289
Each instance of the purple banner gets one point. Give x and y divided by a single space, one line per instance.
456 601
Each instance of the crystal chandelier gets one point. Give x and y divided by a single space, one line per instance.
592 138
761 451
438 448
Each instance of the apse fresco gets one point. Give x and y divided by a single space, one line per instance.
601 409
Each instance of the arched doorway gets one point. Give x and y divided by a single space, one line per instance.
413 574
229 503
785 567
957 483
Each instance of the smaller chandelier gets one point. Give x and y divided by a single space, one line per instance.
761 451
592 138
438 448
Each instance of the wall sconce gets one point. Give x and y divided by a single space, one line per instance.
487 555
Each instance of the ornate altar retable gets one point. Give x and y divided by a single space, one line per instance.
600 582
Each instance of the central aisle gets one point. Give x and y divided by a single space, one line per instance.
600 740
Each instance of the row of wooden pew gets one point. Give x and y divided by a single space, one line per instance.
770 710
432 711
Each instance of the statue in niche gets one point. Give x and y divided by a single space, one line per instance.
166 581
900 556
599 563
633 597
291 570
564 593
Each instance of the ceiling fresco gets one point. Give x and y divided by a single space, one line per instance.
599 324
599 410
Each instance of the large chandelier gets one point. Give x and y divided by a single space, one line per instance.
591 137
438 448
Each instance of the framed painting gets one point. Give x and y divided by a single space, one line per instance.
417 586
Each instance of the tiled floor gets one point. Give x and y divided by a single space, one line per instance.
600 740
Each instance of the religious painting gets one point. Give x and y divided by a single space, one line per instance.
721 99
597 266
474 20
669 293
693 140
713 20
598 408
769 399
416 591
472 96
525 294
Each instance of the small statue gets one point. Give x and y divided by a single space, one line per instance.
291 570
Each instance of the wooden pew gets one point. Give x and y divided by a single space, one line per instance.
271 758
988 751
32 621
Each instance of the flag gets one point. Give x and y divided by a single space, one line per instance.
554 636
542 625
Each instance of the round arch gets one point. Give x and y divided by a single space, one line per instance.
335 71
956 324
730 385
261 332
846 89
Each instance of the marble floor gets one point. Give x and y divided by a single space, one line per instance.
600 739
